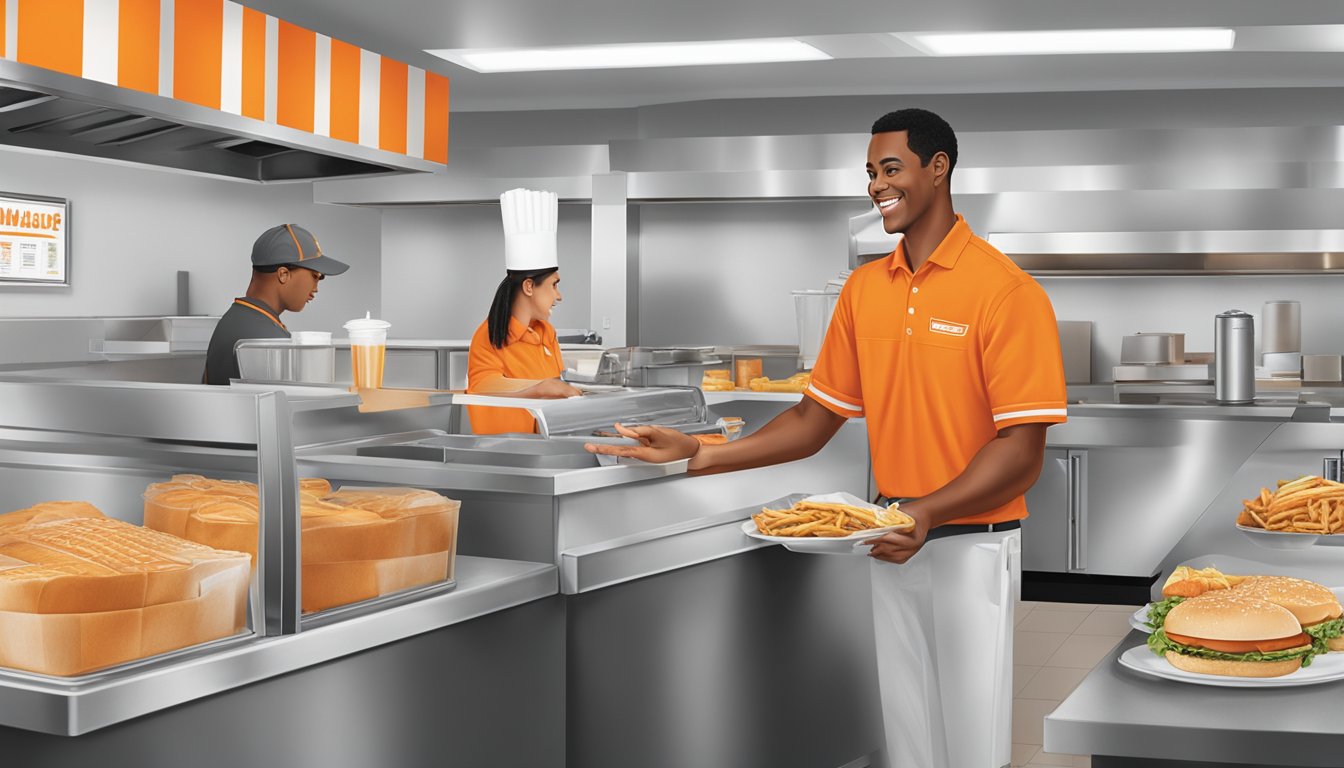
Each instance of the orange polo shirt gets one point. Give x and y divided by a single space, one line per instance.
938 361
530 353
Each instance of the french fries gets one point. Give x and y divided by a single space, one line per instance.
1309 504
811 518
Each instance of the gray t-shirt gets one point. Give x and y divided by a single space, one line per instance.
247 318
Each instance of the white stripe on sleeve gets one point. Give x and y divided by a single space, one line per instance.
833 401
1035 412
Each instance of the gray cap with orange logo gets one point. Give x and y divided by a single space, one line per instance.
290 245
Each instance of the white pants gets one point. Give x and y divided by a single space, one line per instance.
944 627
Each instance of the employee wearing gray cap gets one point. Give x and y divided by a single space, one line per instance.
287 264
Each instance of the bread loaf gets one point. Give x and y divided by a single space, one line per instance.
47 511
80 591
327 585
428 519
356 543
76 643
78 565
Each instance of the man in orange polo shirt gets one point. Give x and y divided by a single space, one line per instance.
951 353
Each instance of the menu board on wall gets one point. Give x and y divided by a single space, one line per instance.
34 240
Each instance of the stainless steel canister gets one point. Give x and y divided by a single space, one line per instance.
1234 357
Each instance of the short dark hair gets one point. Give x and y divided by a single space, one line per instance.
927 134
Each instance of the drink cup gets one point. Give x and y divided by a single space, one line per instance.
368 349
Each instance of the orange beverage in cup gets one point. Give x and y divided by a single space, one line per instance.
366 362
368 350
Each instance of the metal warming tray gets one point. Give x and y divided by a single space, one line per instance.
655 366
597 413
525 451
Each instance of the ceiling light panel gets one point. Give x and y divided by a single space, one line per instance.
632 55
1075 41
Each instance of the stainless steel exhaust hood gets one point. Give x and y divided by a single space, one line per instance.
1225 252
47 110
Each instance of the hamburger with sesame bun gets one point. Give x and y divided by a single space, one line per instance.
1237 635
1315 607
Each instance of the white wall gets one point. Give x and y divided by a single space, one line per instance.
441 266
133 228
721 273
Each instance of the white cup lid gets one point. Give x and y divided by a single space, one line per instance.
367 323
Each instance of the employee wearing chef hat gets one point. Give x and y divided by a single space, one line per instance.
515 352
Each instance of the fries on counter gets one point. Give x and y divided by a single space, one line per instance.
1309 504
812 518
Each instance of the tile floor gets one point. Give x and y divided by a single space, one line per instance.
1055 645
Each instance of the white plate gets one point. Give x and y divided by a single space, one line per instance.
1139 619
821 545
1324 669
1279 539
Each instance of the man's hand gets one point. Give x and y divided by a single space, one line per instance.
656 445
899 547
550 388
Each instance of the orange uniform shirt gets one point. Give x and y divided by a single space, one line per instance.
939 361
530 353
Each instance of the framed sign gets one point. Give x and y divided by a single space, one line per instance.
34 240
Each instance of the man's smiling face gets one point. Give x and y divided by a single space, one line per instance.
901 187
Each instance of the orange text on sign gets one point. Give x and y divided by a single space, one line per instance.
16 217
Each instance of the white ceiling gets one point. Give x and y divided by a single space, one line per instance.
852 28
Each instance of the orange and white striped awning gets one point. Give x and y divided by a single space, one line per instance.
221 55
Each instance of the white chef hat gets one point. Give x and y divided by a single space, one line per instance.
529 229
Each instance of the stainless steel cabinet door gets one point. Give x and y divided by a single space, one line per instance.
1045 532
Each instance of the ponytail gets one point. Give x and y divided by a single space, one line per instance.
501 308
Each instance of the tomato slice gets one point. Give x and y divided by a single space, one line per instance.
1243 646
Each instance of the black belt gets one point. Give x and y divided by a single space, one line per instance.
956 530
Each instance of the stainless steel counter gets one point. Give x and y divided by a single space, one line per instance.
1117 713
49 705
1128 719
